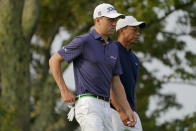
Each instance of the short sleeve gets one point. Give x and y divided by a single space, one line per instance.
72 50
118 68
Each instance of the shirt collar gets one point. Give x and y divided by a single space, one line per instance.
95 34
124 47
98 36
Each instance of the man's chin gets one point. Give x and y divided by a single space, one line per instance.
136 41
110 33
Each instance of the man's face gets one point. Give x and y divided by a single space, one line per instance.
131 34
107 25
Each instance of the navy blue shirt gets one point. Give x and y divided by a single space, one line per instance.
130 67
94 62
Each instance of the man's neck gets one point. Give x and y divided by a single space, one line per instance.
125 44
105 37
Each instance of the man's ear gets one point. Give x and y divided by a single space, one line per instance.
120 31
97 20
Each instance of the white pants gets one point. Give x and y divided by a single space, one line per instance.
93 114
119 126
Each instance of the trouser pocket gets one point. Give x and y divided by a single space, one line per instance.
81 110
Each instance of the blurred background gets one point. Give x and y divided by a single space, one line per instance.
32 30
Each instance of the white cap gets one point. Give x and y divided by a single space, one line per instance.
106 10
129 21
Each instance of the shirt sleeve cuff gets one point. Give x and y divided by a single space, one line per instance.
62 54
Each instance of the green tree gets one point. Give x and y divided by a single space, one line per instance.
15 59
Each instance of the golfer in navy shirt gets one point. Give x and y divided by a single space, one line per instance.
96 66
128 34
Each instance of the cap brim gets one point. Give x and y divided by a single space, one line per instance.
140 24
115 15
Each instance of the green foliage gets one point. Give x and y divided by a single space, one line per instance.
188 123
6 118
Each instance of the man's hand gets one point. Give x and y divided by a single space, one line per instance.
131 121
128 118
67 96
123 117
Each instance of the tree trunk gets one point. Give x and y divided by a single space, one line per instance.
15 59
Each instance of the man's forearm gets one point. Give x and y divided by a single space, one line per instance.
55 67
115 101
119 93
121 98
127 116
